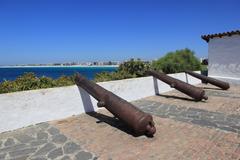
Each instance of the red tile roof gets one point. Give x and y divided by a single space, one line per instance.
219 35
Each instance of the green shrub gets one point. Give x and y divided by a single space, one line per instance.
104 76
47 82
65 81
8 86
133 67
178 61
29 81
129 69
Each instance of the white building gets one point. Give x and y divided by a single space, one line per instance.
224 55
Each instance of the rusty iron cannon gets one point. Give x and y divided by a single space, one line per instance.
213 81
141 123
190 90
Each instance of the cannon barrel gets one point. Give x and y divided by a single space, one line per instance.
190 90
141 123
213 81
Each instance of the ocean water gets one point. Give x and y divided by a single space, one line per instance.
11 73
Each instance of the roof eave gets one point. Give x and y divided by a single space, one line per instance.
219 35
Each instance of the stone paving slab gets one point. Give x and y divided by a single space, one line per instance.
224 101
196 116
108 138
40 142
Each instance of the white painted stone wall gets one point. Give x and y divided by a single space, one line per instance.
30 107
224 58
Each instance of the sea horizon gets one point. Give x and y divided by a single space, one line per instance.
40 66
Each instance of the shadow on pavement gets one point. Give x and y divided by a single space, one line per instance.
177 97
211 88
112 121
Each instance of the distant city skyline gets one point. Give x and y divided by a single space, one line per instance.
42 32
85 63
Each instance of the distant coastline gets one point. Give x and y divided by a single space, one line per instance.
67 66
89 71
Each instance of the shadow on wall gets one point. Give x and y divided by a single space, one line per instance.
156 88
186 78
86 100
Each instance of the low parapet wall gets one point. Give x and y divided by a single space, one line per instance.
25 108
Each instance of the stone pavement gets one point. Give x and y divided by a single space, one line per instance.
106 137
196 116
186 130
218 100
40 142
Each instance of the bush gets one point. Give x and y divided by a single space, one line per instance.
8 86
133 67
178 61
129 69
46 82
65 81
29 81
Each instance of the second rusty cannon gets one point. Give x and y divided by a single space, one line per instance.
213 81
190 90
141 123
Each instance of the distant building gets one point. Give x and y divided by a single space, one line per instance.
224 55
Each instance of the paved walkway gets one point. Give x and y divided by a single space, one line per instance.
196 116
223 101
185 130
40 142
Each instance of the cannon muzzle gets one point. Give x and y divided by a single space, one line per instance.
213 81
141 123
190 90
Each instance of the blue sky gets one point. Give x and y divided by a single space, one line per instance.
46 31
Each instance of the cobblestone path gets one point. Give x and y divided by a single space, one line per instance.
196 116
40 142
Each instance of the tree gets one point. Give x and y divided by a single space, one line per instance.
178 61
